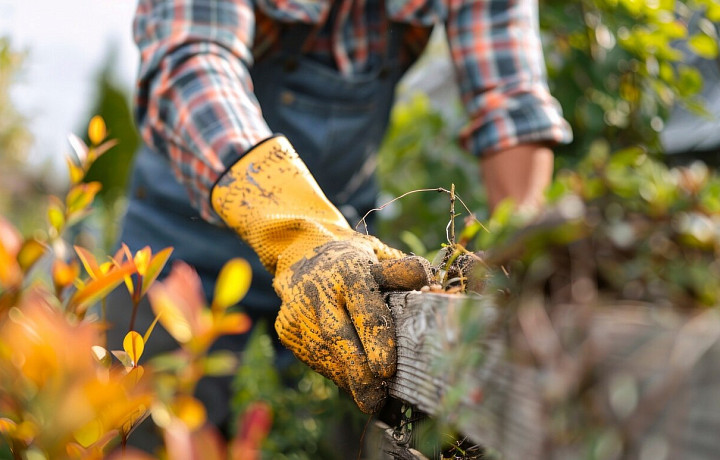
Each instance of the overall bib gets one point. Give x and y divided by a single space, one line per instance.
336 123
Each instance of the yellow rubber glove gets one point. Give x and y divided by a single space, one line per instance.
333 316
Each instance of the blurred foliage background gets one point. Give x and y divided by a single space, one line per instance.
611 64
15 139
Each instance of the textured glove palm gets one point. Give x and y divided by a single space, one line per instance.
333 316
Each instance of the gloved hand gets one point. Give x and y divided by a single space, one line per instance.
333 316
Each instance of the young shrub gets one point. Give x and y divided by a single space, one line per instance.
64 394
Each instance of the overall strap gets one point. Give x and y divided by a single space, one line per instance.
293 38
396 33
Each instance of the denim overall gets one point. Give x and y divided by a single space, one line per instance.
336 123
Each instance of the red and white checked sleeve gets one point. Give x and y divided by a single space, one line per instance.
194 99
498 57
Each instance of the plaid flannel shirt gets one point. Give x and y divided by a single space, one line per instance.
195 99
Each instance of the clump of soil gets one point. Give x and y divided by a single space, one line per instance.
456 270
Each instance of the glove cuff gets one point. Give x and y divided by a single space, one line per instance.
272 201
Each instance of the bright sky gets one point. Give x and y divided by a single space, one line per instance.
67 42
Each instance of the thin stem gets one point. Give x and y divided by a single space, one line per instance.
134 314
136 296
439 189
452 214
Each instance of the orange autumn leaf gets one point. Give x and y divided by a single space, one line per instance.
121 255
154 267
172 317
10 272
190 411
63 273
75 450
36 329
89 263
10 237
179 303
99 288
134 375
232 323
25 432
7 426
148 266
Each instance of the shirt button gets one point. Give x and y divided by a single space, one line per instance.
287 97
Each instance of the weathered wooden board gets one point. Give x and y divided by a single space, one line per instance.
620 381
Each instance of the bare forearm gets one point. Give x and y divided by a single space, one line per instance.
521 173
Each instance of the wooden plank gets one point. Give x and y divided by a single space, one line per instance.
630 380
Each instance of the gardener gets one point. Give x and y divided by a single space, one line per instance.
244 105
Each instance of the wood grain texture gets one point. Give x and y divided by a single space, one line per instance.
622 381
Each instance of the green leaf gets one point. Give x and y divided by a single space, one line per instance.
101 355
414 243
703 46
123 357
689 81
220 363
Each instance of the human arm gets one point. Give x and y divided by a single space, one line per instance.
194 99
520 173
514 121
196 104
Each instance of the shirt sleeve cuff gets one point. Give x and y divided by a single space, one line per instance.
524 121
